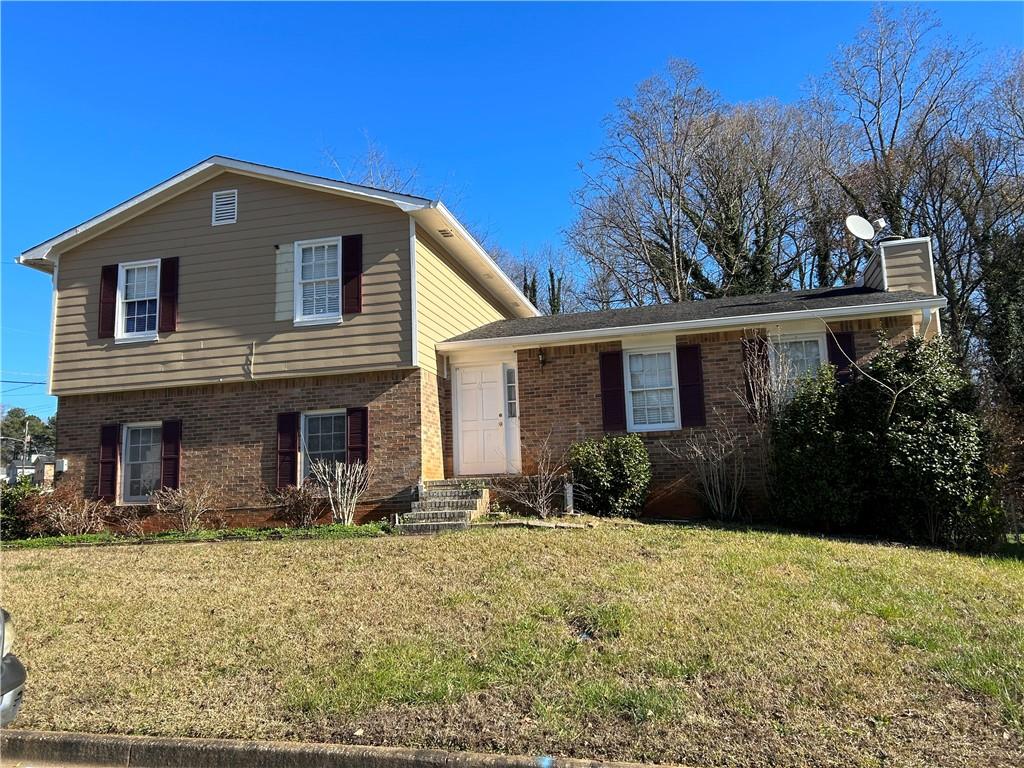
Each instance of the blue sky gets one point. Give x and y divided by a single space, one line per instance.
495 104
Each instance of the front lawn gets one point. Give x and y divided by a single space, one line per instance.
689 645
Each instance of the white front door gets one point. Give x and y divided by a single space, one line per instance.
480 420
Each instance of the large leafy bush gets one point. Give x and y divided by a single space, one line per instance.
611 475
900 452
15 519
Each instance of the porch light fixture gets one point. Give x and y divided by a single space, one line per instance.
540 357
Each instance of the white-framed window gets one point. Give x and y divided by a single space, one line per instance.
140 461
324 437
652 395
138 300
318 281
511 394
225 207
798 355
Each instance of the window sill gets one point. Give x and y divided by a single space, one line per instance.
332 320
135 339
655 428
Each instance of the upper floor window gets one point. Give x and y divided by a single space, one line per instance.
798 356
651 390
138 291
318 280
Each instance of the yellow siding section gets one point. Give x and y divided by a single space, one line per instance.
449 300
228 297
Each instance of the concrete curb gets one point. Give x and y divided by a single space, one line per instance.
65 748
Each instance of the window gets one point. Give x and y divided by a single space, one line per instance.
651 390
141 461
511 397
323 438
798 356
318 281
138 290
225 207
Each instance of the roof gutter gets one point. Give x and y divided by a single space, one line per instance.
741 321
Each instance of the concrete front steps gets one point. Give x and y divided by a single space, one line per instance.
444 505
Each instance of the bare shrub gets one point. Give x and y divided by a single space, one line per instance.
717 457
129 520
192 507
538 492
344 484
299 506
66 511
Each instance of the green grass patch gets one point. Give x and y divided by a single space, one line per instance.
334 531
689 645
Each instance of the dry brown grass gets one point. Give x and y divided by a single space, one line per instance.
690 645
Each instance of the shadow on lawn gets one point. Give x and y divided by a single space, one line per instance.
1012 549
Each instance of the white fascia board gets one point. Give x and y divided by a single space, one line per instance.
481 254
682 326
38 257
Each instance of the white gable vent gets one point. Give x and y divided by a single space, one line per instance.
225 207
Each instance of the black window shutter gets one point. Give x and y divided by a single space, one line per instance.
288 449
613 392
110 438
168 319
170 454
691 385
352 274
841 350
108 301
357 446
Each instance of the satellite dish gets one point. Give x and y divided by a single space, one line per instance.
860 227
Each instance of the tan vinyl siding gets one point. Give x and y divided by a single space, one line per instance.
907 266
449 300
230 292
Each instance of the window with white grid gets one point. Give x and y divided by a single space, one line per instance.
651 390
318 280
796 357
138 292
323 438
141 461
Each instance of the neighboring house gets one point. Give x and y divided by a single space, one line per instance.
237 321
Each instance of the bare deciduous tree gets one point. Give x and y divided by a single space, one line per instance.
538 491
344 484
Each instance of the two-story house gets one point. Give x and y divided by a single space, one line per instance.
238 321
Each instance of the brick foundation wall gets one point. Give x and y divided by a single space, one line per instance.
560 401
229 433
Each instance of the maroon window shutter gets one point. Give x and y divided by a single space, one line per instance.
108 301
170 454
691 385
352 274
287 449
613 392
357 446
168 319
755 355
110 438
841 350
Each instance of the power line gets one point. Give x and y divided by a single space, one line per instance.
19 381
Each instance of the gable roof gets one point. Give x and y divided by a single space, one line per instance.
432 215
730 311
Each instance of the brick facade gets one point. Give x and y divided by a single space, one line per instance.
229 430
560 402
229 433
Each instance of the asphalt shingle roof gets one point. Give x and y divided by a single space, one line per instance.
728 307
